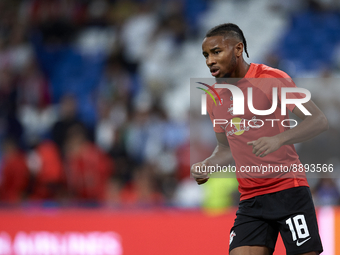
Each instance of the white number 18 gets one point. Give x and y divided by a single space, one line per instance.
300 226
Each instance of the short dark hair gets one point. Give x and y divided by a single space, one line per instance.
229 29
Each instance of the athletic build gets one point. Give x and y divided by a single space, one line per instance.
268 205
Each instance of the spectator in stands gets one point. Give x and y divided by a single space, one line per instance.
68 118
14 176
47 174
116 82
142 190
88 169
35 111
105 129
10 126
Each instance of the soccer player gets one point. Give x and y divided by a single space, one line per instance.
280 203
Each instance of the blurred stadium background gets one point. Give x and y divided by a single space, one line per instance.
94 126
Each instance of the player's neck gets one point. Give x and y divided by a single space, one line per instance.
242 69
239 73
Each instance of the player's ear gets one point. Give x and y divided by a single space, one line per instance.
238 49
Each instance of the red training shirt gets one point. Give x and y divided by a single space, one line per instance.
261 79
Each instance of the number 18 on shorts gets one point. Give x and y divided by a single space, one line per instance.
289 212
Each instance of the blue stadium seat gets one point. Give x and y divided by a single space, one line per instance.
311 39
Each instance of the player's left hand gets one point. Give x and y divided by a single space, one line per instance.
265 145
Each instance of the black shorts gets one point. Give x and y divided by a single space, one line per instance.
290 212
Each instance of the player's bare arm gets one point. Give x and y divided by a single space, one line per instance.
220 156
310 126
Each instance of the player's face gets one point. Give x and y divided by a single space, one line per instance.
219 56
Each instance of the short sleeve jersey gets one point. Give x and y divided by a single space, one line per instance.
278 170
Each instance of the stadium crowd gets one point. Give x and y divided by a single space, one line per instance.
87 108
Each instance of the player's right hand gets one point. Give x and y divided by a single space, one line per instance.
200 176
